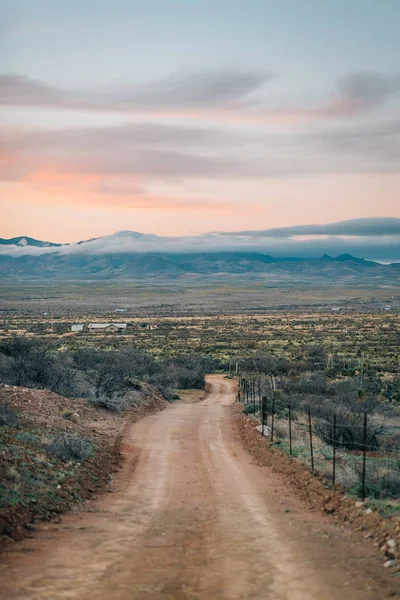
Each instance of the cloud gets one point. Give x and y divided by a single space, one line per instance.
354 227
146 150
154 151
222 96
370 238
369 89
201 90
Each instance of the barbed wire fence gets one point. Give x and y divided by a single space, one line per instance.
348 453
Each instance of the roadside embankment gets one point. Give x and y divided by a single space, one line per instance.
56 452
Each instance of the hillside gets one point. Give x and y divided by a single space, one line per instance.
56 451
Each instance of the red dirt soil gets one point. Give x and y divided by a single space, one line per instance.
193 516
42 413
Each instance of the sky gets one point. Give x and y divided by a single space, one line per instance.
181 117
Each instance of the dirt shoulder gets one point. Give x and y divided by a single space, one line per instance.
318 496
42 472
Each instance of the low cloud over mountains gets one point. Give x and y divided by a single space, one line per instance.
377 239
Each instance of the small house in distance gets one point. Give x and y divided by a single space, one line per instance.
107 327
148 326
77 327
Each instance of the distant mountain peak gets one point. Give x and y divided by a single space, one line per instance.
346 256
24 241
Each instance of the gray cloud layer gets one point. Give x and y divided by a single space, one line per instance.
146 149
190 90
203 91
353 227
369 88
156 150
370 238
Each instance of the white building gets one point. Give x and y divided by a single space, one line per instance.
77 327
107 327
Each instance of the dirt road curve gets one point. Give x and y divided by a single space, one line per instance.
190 517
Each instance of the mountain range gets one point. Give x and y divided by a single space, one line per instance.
133 256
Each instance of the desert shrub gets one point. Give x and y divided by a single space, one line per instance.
89 371
66 447
349 430
249 408
27 436
314 384
29 362
281 430
133 382
36 363
181 372
383 479
70 415
348 389
392 391
114 403
267 364
316 356
8 416
391 440
371 490
170 395
389 481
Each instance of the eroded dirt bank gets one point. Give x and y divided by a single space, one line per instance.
36 484
191 516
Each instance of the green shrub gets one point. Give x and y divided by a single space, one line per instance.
249 408
8 416
66 447
170 395
371 490
382 480
27 436
70 415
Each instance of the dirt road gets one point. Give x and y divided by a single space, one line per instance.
191 517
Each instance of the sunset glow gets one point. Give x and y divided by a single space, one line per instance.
194 132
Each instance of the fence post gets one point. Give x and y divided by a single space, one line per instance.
290 430
263 407
311 440
273 416
254 396
334 452
364 464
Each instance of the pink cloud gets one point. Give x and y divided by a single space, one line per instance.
52 187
